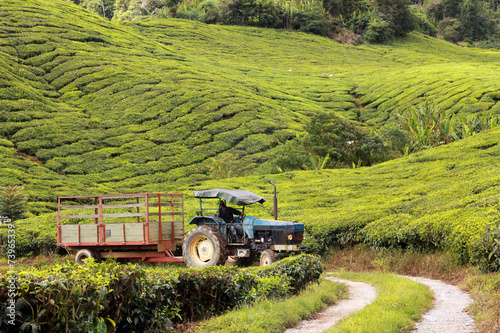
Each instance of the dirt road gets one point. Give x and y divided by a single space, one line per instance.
447 315
360 295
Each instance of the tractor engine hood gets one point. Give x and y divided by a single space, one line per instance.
251 223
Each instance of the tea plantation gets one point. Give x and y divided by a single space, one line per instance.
90 106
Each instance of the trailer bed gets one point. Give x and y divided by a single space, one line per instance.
143 225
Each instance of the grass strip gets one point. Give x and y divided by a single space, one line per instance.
276 316
399 304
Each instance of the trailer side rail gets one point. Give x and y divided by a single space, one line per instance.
126 219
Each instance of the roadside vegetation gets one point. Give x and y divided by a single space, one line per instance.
276 316
483 287
399 304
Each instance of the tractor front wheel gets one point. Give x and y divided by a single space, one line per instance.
204 246
267 257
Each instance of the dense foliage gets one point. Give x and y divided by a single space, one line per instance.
348 21
106 296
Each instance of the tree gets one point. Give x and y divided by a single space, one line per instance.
449 29
104 8
476 24
345 8
12 202
330 135
290 156
378 30
398 14
451 8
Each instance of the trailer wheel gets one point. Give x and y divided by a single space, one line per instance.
84 254
267 257
204 246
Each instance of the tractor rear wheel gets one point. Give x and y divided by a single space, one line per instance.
204 246
267 257
84 254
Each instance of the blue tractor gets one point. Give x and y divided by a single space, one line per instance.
234 238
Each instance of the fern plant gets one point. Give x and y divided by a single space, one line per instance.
12 202
316 162
428 125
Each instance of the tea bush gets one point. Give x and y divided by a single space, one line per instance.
128 297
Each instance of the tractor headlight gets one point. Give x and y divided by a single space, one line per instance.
290 237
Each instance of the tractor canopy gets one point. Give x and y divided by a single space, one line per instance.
236 197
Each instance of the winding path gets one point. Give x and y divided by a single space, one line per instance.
360 295
447 315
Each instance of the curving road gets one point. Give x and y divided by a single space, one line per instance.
448 314
360 295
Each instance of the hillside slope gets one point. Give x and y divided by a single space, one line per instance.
444 197
88 105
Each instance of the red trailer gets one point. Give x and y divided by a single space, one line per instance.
145 226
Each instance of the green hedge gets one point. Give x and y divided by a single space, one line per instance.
109 296
34 235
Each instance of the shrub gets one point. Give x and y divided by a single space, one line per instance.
70 297
428 126
395 138
302 269
345 8
492 243
313 21
290 156
259 13
36 235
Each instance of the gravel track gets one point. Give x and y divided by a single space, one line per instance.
360 295
446 316
448 313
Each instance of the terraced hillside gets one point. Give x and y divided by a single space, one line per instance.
88 105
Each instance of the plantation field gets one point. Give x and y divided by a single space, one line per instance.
93 106
440 198
89 106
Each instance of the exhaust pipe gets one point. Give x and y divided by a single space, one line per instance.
275 201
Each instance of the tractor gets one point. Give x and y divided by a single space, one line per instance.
240 239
